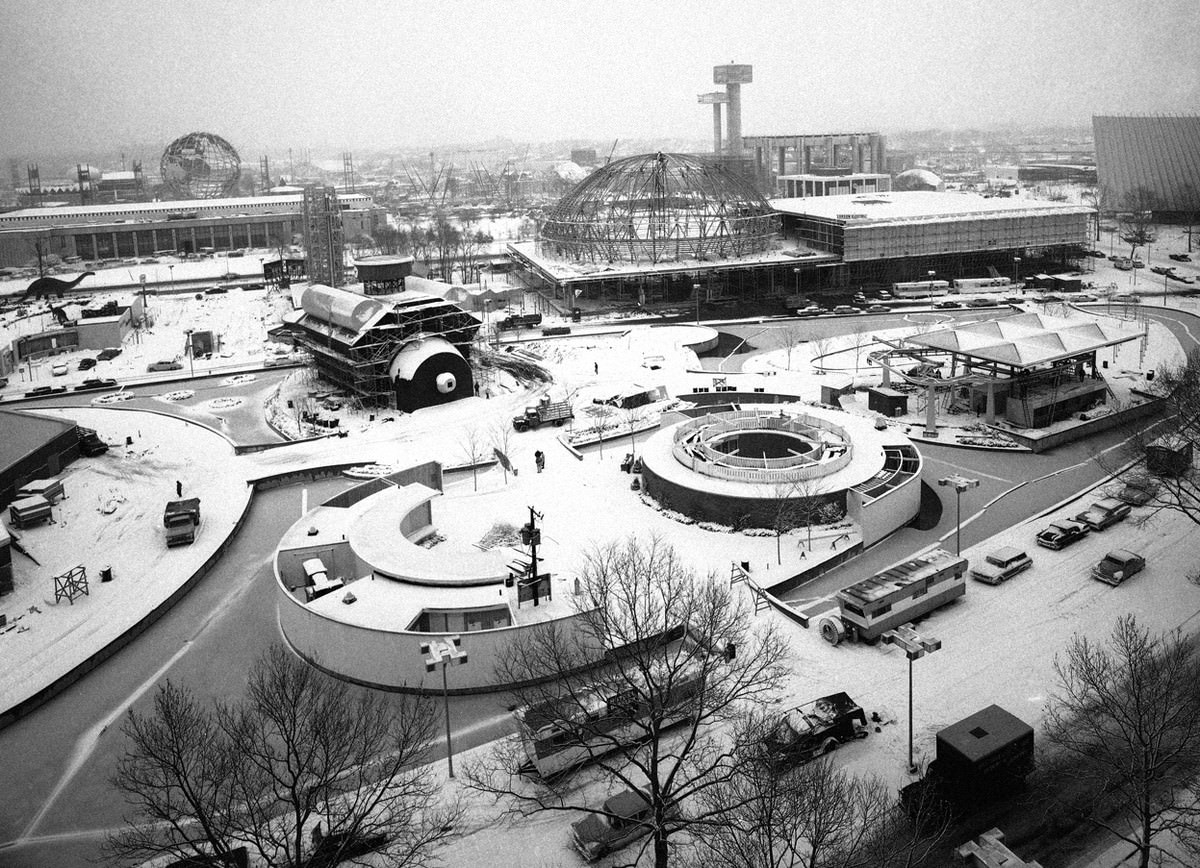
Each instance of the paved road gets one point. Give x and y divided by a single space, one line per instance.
56 762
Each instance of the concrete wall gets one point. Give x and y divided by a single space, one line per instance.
392 659
886 514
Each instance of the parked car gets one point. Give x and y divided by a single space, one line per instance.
87 363
1159 269
1179 257
1123 265
1001 564
1062 533
860 297
1099 254
806 732
1182 278
1081 297
96 383
1048 298
1014 299
884 294
1117 566
1138 493
878 308
626 818
1137 263
38 391
980 302
216 290
946 305
1127 297
108 353
842 309
59 369
811 310
1103 513
164 366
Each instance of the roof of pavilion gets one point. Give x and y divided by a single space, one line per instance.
1025 340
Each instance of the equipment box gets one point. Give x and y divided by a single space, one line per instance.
29 510
51 489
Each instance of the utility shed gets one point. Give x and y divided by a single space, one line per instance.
989 743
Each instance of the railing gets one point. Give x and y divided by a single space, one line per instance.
691 448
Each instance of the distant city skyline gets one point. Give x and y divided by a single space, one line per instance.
83 77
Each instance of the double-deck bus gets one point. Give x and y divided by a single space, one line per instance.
575 728
869 608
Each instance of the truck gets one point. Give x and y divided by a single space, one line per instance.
810 730
920 288
545 410
181 518
519 321
979 759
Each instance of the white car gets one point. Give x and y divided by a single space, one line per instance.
59 369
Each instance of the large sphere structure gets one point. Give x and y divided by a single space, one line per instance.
201 166
660 208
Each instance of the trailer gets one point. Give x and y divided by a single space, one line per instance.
920 289
982 284
181 518
520 321
898 595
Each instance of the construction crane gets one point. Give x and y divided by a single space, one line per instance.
610 151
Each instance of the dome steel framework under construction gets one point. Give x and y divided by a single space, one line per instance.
660 208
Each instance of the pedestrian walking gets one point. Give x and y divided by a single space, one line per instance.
539 458
595 367
178 488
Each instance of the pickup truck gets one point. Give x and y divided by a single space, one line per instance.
812 729
181 518
1103 513
1000 565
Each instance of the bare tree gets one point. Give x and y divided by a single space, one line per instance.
859 337
301 749
1169 485
814 817
1127 713
1099 197
501 434
472 445
634 416
820 347
177 777
1137 223
788 337
675 648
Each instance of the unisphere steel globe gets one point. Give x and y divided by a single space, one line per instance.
201 166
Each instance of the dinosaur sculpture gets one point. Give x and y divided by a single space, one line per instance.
43 286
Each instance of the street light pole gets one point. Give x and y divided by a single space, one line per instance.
914 647
1016 268
443 652
960 484
696 292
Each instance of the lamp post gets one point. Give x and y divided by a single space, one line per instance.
1016 270
796 271
445 651
171 268
915 647
696 292
960 484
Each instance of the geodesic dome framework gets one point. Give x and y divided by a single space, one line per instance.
659 208
201 166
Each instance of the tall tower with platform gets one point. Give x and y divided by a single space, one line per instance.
733 76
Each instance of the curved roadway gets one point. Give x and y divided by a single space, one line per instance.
56 801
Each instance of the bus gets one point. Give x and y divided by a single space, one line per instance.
920 289
573 729
868 609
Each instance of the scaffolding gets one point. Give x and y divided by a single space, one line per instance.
324 240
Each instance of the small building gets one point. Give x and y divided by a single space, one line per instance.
888 402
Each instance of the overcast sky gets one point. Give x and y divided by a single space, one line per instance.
342 74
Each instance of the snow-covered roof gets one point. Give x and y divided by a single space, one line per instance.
918 205
1024 340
